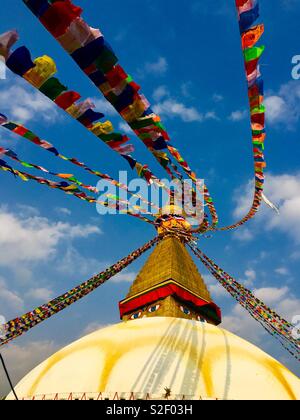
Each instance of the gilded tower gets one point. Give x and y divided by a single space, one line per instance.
169 284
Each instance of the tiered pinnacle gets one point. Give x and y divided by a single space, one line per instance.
169 284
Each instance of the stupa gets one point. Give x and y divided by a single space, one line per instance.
168 345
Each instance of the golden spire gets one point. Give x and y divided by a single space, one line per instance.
169 284
170 260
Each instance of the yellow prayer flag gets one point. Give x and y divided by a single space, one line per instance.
45 68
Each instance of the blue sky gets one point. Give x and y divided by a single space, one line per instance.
185 59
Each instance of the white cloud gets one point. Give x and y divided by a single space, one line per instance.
21 359
121 34
160 93
211 115
237 116
295 256
27 211
243 234
173 109
214 287
9 300
169 107
74 263
239 322
282 271
251 275
243 197
63 211
40 294
23 103
275 106
289 307
186 89
124 277
102 105
35 238
271 295
281 300
284 191
283 107
218 98
79 231
158 67
217 291
124 127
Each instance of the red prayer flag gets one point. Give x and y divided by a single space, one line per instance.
59 17
66 99
21 131
116 76
258 119
90 70
251 66
240 3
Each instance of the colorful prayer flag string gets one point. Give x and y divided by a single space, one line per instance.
39 73
248 13
112 202
90 50
71 178
268 318
28 135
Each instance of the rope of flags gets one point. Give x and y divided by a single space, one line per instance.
112 201
19 326
39 70
248 13
96 58
268 318
28 135
40 74
71 178
32 137
68 177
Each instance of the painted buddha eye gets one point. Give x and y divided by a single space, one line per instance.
186 311
201 319
137 315
153 308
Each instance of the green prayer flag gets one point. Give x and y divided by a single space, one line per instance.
52 88
258 110
29 135
253 53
